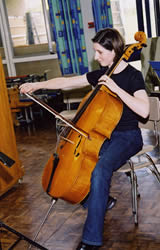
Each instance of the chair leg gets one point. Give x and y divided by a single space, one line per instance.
128 174
26 115
134 193
153 167
31 113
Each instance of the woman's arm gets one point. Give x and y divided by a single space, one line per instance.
139 102
56 83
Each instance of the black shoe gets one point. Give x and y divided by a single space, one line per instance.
83 246
111 202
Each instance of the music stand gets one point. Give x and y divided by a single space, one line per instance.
8 162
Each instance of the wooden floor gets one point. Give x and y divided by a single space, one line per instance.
25 205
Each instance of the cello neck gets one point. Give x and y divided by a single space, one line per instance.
109 72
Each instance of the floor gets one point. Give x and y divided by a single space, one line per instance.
24 207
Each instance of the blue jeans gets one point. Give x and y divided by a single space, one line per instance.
113 154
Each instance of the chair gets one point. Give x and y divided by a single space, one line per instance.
143 159
17 106
73 96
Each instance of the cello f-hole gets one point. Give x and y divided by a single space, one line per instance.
75 151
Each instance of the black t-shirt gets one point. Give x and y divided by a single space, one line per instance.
131 80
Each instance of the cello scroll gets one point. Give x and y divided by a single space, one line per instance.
139 36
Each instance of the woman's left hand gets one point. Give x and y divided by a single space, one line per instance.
107 81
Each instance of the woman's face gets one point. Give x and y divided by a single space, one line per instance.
103 56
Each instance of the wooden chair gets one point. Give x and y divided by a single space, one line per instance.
17 106
143 159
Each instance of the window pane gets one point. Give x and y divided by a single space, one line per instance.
26 22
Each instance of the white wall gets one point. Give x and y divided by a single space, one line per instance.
87 15
129 18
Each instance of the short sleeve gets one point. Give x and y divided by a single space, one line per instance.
137 82
93 76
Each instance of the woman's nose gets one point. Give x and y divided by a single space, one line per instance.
96 56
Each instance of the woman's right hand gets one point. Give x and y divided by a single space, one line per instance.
29 87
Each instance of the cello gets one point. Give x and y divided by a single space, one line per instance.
68 171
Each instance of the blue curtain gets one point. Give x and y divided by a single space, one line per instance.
67 26
102 14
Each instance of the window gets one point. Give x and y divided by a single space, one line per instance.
26 22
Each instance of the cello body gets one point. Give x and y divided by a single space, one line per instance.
77 156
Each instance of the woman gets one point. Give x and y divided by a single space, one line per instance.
126 139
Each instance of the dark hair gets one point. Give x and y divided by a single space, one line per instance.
110 39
